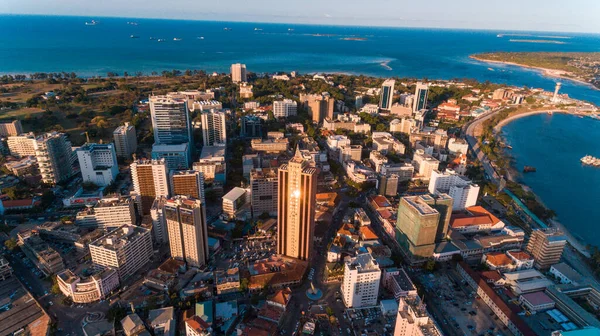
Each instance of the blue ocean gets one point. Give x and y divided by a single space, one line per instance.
61 43
554 144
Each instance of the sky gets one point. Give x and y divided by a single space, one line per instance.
538 15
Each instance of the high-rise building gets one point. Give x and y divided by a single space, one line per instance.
21 145
127 249
417 227
188 235
12 128
54 155
149 181
360 286
171 122
443 204
125 140
107 213
263 185
413 319
546 246
251 127
320 106
187 183
462 190
421 93
238 73
284 108
159 223
296 207
387 94
388 185
98 163
214 128
176 156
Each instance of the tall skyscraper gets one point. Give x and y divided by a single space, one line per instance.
125 140
296 207
186 225
54 155
170 120
546 246
149 181
360 286
214 128
187 183
284 108
320 106
417 226
238 73
387 94
421 93
98 163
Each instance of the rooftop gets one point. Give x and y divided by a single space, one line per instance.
568 271
537 298
417 203
170 148
367 233
498 259
212 152
363 263
120 237
234 194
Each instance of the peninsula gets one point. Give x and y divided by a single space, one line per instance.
576 66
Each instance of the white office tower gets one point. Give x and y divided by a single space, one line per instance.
107 213
150 180
238 73
413 319
21 145
159 224
360 286
127 249
285 108
188 234
462 190
420 99
171 122
54 155
125 140
98 163
387 94
214 128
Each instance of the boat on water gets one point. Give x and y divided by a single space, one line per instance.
491 69
499 35
590 161
226 28
200 37
152 38
161 40
134 36
257 29
132 23
177 39
529 169
91 23
290 29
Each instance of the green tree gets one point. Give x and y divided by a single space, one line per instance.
11 244
244 284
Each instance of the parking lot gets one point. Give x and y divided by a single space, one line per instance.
462 308
245 251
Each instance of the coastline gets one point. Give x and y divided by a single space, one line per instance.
579 245
553 73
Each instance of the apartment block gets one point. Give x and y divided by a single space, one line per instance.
360 286
263 190
125 140
98 163
546 246
107 214
188 234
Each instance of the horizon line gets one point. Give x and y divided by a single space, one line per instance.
302 24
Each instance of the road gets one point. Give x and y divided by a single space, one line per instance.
471 138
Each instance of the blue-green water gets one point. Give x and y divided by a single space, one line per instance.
57 43
554 144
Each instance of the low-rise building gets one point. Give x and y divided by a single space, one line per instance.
385 143
565 274
526 281
235 201
377 160
212 164
458 146
536 301
398 282
227 281
86 290
270 145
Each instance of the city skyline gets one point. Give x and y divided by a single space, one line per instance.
533 16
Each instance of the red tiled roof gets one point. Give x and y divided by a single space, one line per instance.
367 233
520 255
198 324
18 203
491 276
498 259
385 213
282 296
380 201
474 216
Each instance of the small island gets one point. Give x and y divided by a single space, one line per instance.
577 66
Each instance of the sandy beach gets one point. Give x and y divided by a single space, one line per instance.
546 72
